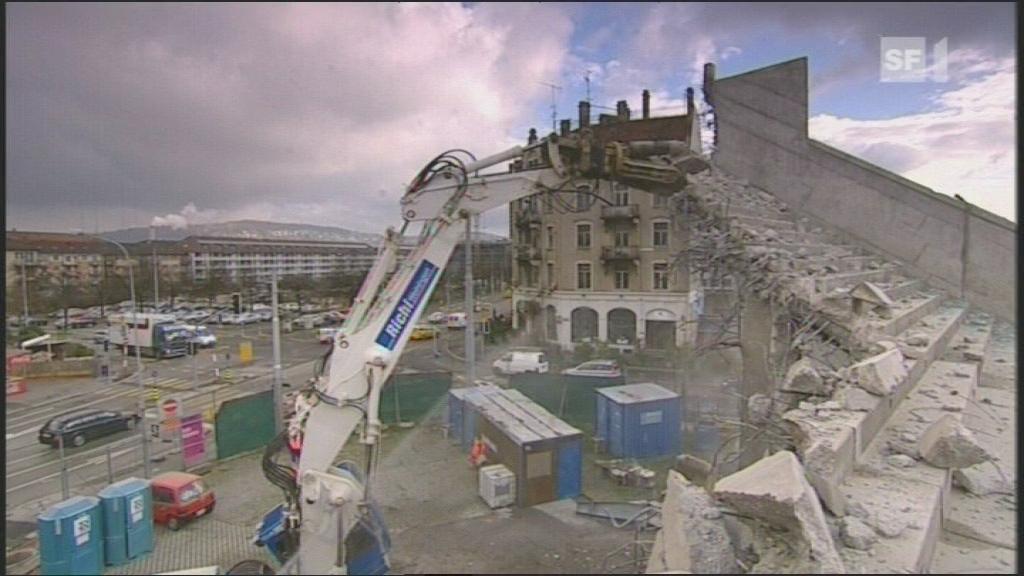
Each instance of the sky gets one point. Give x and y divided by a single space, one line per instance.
128 114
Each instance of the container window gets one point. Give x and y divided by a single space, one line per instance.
650 417
538 465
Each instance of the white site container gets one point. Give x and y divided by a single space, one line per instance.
497 486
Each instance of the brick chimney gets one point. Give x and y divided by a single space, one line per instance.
533 136
690 108
565 126
584 114
646 104
622 110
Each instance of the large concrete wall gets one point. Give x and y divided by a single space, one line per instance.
762 137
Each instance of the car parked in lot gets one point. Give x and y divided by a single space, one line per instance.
77 428
596 369
100 336
179 497
521 362
76 322
423 332
201 336
437 318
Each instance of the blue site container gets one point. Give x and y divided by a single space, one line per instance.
462 415
543 452
71 537
639 421
127 520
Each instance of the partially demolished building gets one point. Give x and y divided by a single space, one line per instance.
874 318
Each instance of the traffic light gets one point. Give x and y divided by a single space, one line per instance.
236 303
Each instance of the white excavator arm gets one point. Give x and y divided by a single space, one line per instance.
366 350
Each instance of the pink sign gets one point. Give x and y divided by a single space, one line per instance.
193 445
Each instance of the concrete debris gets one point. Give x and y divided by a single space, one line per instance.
947 443
887 524
759 409
880 374
856 399
693 534
803 376
900 461
981 480
916 340
694 468
775 490
855 534
822 468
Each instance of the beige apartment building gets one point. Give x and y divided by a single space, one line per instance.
606 263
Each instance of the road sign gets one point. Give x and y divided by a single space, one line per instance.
170 408
154 430
245 352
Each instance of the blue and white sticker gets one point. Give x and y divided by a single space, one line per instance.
407 305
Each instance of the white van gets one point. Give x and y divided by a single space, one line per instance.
520 362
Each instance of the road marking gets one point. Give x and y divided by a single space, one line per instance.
92 462
49 411
56 460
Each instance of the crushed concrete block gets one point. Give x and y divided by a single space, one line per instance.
822 466
775 490
856 399
887 523
880 374
694 468
694 538
803 376
981 480
947 443
856 534
743 540
759 409
900 461
916 340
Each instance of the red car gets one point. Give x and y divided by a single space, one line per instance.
180 496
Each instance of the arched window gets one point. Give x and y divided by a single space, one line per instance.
621 326
584 324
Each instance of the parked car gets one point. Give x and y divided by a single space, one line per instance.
201 336
77 428
437 318
76 322
520 362
457 320
596 369
422 332
100 336
265 315
179 497
248 318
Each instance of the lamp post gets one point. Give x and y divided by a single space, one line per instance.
147 466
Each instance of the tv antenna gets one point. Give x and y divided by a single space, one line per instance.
554 107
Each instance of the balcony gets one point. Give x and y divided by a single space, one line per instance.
619 253
627 212
527 254
528 219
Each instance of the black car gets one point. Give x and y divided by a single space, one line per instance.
77 428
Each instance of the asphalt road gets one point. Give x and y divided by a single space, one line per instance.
33 470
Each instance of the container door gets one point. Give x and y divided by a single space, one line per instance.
540 477
616 434
570 457
652 432
601 427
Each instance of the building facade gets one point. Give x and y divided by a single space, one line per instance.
258 259
606 262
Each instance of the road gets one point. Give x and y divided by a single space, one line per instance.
33 470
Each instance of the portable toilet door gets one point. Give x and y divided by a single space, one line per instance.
127 520
71 537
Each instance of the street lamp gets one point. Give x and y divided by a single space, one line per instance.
138 358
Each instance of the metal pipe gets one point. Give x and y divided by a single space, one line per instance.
276 328
468 302
511 153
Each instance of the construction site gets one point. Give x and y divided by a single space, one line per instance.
820 377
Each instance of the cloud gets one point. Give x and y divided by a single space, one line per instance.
964 144
188 216
142 108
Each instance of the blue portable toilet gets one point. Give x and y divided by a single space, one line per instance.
639 421
71 537
127 520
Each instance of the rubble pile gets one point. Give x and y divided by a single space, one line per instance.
873 393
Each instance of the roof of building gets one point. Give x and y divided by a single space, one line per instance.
57 242
517 416
637 393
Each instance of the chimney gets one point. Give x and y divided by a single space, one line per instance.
565 126
533 137
584 114
646 104
622 110
709 80
690 108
